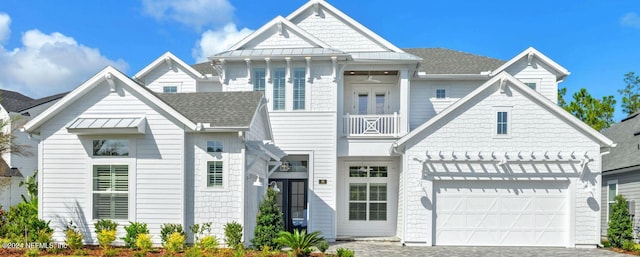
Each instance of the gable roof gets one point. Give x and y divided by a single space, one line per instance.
364 30
13 101
626 134
538 98
167 59
446 61
219 109
285 23
562 72
16 102
205 68
107 73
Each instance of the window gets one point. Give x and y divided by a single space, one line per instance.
441 93
380 98
111 192
278 89
368 197
111 147
214 147
612 191
502 123
170 89
299 75
258 79
531 85
214 174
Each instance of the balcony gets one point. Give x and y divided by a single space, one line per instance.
367 126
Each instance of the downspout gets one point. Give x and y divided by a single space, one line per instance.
599 225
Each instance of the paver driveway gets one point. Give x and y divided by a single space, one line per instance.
379 249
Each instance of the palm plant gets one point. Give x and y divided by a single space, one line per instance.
299 241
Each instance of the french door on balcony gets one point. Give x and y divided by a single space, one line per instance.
369 101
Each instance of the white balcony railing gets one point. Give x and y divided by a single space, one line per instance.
372 125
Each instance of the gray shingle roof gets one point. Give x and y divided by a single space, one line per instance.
16 102
445 61
627 151
205 68
220 109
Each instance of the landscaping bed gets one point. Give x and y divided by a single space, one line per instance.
155 252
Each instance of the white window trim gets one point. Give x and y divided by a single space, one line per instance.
368 180
178 86
614 181
117 160
215 156
435 94
306 89
494 125
532 80
287 88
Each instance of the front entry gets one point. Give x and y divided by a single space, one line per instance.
292 200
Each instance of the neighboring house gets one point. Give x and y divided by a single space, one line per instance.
14 168
621 168
431 146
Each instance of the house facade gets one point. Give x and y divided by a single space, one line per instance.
431 146
621 169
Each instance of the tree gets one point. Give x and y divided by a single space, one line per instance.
269 222
630 93
620 226
597 113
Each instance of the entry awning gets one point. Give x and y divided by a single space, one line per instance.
266 147
107 125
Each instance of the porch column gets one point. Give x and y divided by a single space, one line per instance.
404 101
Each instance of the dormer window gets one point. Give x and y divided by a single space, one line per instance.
441 93
170 89
531 85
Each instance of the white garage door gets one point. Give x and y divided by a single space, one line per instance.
501 213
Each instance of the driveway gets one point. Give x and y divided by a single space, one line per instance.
386 249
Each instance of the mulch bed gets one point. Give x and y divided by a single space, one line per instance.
125 252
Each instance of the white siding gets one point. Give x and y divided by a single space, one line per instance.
216 205
162 75
424 104
335 32
532 129
313 132
273 39
538 72
155 165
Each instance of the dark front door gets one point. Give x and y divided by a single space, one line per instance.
292 200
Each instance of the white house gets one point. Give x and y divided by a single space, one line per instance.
431 146
18 109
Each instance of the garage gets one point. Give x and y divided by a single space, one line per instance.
501 213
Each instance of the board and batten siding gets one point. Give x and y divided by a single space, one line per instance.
162 76
316 132
471 128
156 165
628 186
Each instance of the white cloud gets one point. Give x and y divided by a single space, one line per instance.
215 41
196 13
631 19
5 21
46 64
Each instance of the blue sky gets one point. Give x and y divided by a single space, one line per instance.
48 47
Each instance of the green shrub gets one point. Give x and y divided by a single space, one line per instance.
628 245
620 226
268 222
110 252
299 241
20 216
32 252
105 224
167 229
605 243
233 234
208 243
323 246
344 252
106 237
199 230
133 230
143 242
73 237
175 242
